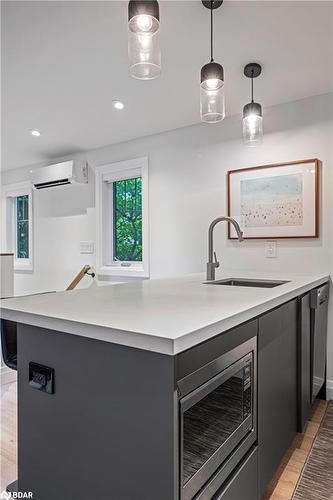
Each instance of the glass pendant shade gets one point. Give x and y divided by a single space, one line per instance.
144 51
212 102
252 124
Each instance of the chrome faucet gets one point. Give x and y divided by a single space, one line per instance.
213 263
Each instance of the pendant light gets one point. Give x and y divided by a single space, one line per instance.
252 112
212 79
143 39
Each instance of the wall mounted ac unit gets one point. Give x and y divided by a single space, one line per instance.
60 174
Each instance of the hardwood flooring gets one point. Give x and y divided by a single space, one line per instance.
281 488
283 485
8 463
316 482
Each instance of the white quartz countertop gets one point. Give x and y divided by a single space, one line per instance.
161 315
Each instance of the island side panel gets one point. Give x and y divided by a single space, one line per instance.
110 429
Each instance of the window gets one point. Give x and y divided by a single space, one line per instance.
122 218
22 226
17 224
127 220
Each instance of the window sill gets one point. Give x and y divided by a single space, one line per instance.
137 272
23 267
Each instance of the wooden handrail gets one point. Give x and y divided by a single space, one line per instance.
85 270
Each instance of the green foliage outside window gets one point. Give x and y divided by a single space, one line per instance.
127 207
22 227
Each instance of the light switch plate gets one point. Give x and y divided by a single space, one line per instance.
270 249
87 247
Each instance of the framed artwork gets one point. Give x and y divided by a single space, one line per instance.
275 201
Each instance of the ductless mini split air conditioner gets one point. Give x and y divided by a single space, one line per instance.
60 174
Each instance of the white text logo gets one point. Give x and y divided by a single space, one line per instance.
6 495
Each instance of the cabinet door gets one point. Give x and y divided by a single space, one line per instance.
243 485
277 388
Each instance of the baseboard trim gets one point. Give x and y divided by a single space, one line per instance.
329 389
7 375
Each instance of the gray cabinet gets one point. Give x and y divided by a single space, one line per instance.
243 484
277 388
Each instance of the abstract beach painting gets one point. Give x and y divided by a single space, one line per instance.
280 200
272 201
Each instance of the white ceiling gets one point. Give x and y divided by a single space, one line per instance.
64 62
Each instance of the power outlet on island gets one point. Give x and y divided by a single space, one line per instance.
270 250
86 247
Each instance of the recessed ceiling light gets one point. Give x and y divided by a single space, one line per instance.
118 104
35 133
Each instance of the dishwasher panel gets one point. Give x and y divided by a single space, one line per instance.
319 312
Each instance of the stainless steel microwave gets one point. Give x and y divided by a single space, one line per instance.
217 416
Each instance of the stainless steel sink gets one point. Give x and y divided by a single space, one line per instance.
247 282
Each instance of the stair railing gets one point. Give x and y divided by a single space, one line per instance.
85 270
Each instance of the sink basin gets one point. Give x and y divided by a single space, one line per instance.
247 282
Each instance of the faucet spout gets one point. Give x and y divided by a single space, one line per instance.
213 263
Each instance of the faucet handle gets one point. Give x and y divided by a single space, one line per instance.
216 262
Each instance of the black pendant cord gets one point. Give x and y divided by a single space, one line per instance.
211 31
252 87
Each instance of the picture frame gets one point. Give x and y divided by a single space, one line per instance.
275 201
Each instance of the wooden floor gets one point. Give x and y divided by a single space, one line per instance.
8 435
284 483
281 488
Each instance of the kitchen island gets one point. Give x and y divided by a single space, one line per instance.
128 377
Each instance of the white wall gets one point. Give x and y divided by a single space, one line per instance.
6 290
62 219
187 169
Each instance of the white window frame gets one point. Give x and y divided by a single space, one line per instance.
104 176
9 193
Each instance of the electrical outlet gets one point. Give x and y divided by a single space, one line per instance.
87 247
271 249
